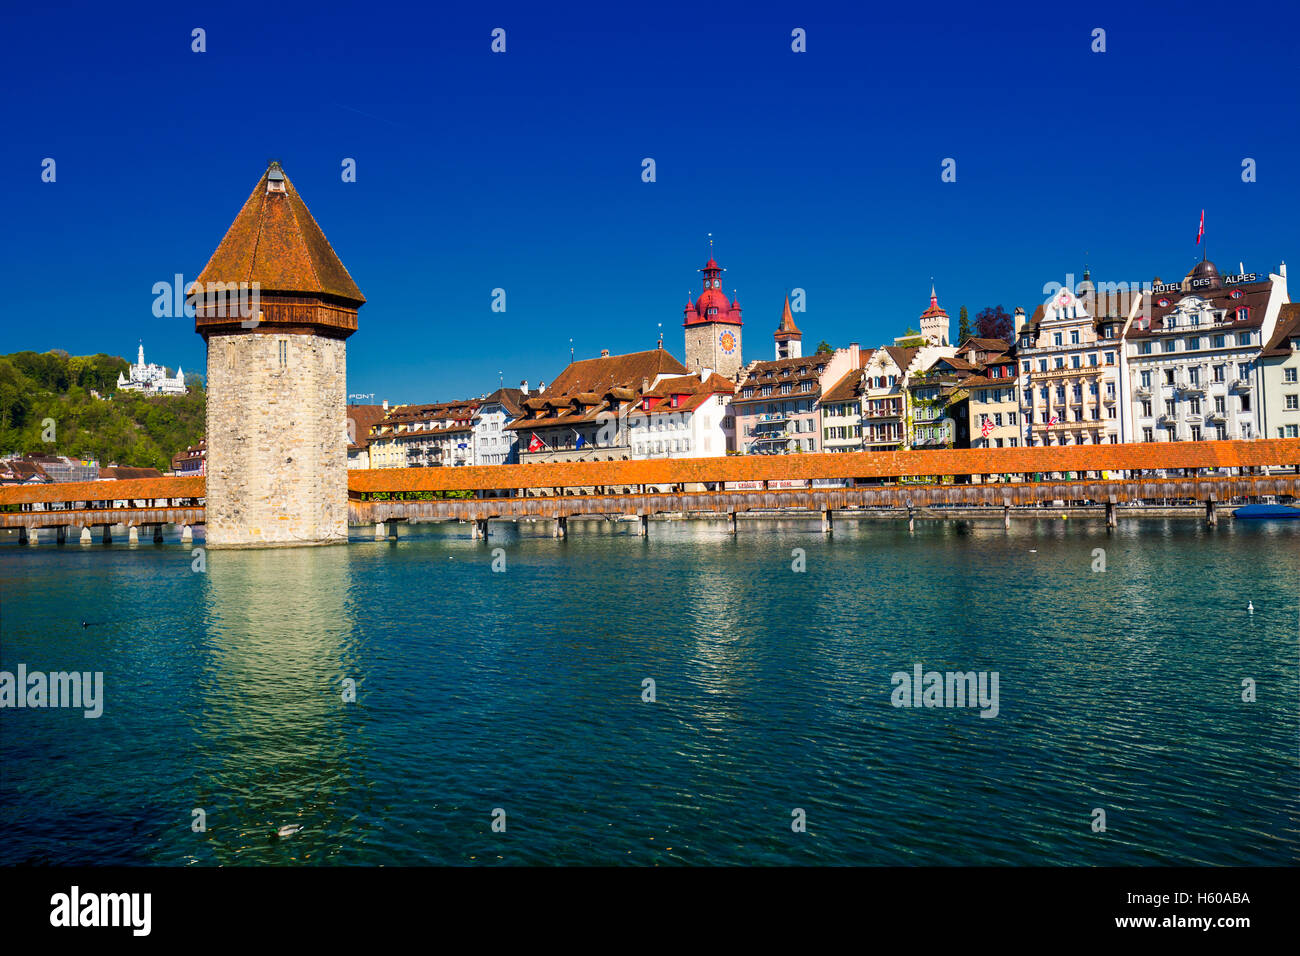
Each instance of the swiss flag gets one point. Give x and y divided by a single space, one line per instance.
1200 232
986 427
536 444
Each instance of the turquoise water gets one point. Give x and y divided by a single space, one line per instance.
522 690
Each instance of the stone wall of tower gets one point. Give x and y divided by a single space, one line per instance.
703 350
277 441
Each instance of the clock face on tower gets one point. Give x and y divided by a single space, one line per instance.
727 341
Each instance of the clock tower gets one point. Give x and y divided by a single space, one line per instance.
713 326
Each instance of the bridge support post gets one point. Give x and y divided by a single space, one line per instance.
133 535
828 522
1006 513
86 537
561 527
481 528
187 534
61 534
731 522
23 537
34 537
380 533
1211 514
643 525
392 532
1110 513
107 537
911 520
157 534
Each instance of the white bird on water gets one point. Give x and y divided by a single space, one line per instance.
288 830
1250 606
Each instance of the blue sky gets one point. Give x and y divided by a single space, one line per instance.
522 170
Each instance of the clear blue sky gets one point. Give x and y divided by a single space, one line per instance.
522 170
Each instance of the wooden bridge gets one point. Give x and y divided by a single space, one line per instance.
997 479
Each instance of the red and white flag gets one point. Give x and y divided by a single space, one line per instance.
536 444
986 427
1200 232
1053 421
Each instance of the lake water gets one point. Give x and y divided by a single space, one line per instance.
522 689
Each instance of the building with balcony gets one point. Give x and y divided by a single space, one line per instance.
937 400
1191 355
1279 367
777 408
424 436
1070 355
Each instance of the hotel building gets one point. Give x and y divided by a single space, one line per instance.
1192 354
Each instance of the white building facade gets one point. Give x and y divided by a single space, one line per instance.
151 379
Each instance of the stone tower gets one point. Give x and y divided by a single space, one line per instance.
935 323
789 340
712 327
277 375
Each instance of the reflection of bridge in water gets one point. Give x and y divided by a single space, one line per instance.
996 479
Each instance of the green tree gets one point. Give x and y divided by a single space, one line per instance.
824 348
963 325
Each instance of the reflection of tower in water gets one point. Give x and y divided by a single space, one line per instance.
278 744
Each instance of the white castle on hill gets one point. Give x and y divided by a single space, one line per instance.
152 379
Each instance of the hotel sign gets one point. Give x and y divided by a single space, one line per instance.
1205 282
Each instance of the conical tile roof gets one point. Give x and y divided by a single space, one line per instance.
275 242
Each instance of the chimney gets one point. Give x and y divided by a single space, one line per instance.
645 384
541 387
604 353
385 406
1020 320
855 355
523 386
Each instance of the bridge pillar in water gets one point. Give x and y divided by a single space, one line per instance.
1211 514
392 531
731 522
480 529
643 525
561 527
380 533
133 535
61 534
828 522
23 536
1006 513
157 534
86 536
187 534
107 537
1110 512
911 520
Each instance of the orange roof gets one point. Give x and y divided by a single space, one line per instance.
275 242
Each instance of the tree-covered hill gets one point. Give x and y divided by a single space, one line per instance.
127 429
